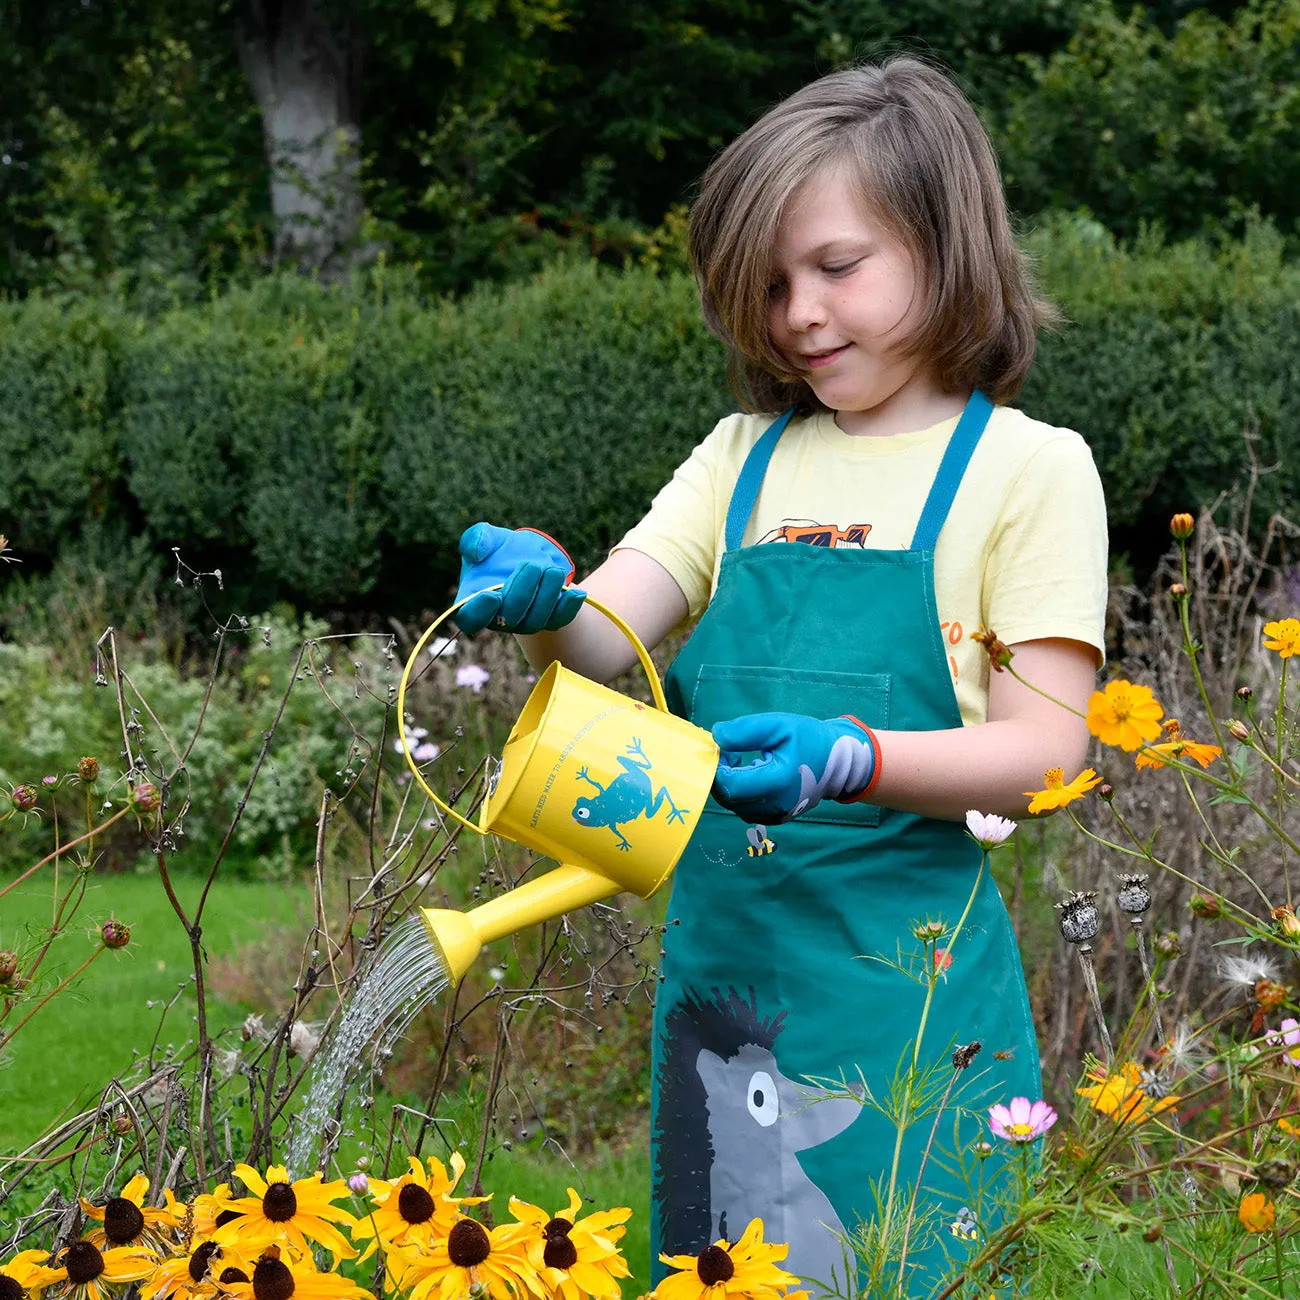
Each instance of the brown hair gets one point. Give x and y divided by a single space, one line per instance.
919 156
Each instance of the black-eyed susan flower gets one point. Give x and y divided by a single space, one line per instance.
1124 714
88 1273
414 1209
748 1268
1177 744
281 1212
1058 792
277 1277
575 1257
212 1210
125 1220
470 1260
1121 1094
28 1273
194 1274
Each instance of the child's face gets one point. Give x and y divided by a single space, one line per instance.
845 292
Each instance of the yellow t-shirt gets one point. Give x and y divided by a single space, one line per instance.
1023 551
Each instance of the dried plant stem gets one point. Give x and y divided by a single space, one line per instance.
1090 981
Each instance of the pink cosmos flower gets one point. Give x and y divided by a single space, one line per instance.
1022 1121
989 830
473 676
1288 1038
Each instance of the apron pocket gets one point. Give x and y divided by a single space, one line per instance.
724 691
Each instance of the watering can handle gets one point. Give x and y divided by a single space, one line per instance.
642 654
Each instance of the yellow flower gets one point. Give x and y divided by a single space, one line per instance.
84 1269
211 1210
30 1268
195 1273
1287 1127
1124 714
1283 636
275 1278
470 1260
415 1208
127 1221
282 1212
1058 793
575 1258
1176 745
748 1269
1256 1212
1122 1096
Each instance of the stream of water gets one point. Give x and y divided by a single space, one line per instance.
403 977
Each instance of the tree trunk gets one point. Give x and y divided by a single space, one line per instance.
307 82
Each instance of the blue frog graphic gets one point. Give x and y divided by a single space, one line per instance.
626 797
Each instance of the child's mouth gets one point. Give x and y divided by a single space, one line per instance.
818 359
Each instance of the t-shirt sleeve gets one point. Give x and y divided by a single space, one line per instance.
1046 571
682 527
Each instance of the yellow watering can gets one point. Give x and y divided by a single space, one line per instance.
607 786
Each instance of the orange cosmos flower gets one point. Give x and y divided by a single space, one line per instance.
1124 715
1257 1213
1177 745
1283 637
1122 1096
1058 793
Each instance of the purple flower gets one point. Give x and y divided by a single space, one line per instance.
359 1183
1289 1038
473 676
1022 1121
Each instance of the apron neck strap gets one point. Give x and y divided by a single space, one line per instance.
952 467
745 493
956 457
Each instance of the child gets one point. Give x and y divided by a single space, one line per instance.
853 250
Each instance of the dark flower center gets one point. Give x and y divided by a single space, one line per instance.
229 1275
199 1260
557 1227
414 1204
560 1252
271 1278
9 1288
83 1262
714 1265
226 1216
280 1203
468 1243
123 1221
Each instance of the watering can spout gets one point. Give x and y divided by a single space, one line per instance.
458 937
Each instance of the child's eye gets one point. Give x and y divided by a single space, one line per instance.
839 270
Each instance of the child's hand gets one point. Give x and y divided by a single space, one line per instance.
536 572
802 761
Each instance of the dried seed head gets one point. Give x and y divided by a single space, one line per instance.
1285 919
88 770
713 1265
1270 995
964 1055
1181 526
1000 654
114 934
1276 1174
1078 916
8 966
1134 895
468 1243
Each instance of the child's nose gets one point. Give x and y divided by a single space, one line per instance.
804 307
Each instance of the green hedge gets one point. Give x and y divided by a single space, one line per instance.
329 445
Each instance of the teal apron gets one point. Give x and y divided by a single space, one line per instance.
762 981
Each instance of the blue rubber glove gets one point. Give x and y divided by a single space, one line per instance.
803 761
536 572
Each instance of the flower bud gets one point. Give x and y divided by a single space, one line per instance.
1285 919
1178 591
1105 792
115 934
1238 730
88 770
8 966
24 798
1078 916
1205 906
359 1183
1245 693
1153 1233
145 797
1181 526
1168 945
120 1123
1134 895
